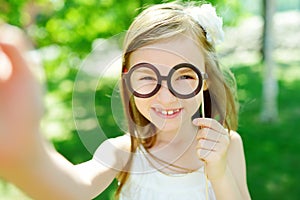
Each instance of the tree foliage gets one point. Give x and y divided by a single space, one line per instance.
77 23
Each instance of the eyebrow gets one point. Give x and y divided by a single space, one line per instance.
185 70
181 70
145 71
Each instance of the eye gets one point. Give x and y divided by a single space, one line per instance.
185 73
147 78
183 77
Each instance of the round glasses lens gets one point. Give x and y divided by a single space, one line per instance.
184 81
143 80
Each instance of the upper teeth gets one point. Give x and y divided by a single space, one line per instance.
167 112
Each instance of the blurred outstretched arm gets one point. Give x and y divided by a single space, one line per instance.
26 158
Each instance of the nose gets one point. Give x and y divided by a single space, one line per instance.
164 95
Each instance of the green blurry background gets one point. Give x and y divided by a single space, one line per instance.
64 31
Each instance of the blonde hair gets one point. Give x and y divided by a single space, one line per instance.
161 22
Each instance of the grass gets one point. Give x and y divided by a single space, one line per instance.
271 149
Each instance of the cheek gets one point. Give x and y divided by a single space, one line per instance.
142 105
194 104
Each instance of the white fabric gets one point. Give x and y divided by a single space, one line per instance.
147 183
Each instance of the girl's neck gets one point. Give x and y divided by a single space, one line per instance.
177 147
184 136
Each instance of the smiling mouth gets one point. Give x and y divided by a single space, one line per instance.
170 113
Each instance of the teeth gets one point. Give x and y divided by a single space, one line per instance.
167 112
170 112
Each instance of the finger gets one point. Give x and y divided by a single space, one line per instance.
206 149
207 145
219 142
210 123
208 134
17 61
203 154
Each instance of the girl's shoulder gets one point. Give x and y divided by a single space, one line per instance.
236 149
114 152
235 136
236 142
121 142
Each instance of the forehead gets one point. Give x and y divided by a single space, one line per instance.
170 52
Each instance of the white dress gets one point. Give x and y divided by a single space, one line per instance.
147 183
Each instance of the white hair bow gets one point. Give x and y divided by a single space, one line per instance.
207 18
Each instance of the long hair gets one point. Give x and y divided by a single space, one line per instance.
161 22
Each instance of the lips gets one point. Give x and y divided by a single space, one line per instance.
167 113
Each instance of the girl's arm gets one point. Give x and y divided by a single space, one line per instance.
30 162
51 176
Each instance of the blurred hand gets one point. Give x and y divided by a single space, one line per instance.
20 106
213 144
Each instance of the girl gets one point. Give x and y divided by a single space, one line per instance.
181 111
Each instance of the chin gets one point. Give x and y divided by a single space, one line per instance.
167 126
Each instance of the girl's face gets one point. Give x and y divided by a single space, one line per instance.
166 111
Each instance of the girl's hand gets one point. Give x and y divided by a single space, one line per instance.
213 144
20 106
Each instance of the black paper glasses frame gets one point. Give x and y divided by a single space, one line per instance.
157 78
